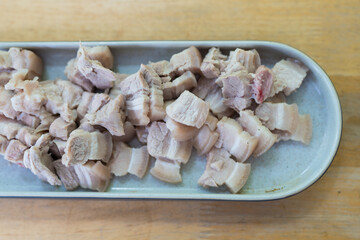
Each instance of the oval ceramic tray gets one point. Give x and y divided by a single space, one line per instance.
288 168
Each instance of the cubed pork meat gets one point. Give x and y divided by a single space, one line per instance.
83 146
93 175
89 73
173 89
236 90
6 107
163 69
280 116
61 129
221 169
101 54
235 140
206 138
167 171
67 175
129 160
162 145
217 102
189 110
213 63
302 133
189 59
28 120
262 84
157 111
142 133
204 86
249 59
57 148
15 151
116 90
110 116
129 133
253 125
136 91
180 132
289 74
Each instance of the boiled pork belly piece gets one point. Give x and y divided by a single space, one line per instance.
180 132
262 84
249 59
236 90
157 111
61 129
20 81
173 89
136 91
129 160
83 146
213 63
28 120
167 171
129 133
6 107
209 91
280 116
13 129
221 169
91 102
161 145
303 132
234 139
89 73
109 116
16 59
289 74
164 69
57 148
189 110
207 136
101 54
253 125
67 175
15 151
93 175
38 160
188 60
4 143
115 90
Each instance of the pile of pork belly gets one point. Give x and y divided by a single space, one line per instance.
76 132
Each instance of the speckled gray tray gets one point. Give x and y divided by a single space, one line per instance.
288 168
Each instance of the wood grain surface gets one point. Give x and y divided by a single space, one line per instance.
327 30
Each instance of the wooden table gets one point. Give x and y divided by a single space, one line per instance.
327 30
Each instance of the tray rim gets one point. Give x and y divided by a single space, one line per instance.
197 196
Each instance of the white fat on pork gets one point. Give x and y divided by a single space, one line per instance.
162 145
101 54
167 171
221 169
189 110
253 125
280 116
136 91
163 69
83 146
303 132
67 175
93 175
207 136
289 74
109 116
235 140
213 63
61 129
173 89
189 59
6 107
125 160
